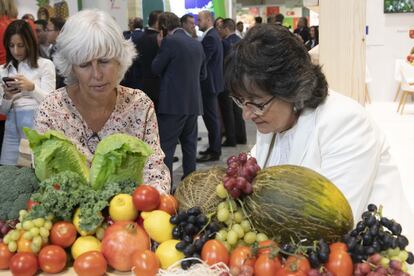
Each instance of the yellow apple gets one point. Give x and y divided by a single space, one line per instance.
121 207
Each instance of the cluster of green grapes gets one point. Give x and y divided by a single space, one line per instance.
37 231
239 230
100 231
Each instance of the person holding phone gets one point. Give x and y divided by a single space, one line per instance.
26 80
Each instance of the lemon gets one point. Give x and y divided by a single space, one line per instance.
76 222
168 254
85 244
158 226
121 208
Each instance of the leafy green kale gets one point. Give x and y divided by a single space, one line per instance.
16 187
62 193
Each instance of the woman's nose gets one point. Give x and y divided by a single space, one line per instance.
247 113
97 71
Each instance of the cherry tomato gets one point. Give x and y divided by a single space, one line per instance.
214 252
146 198
31 204
339 262
145 263
63 233
298 262
242 255
23 264
91 263
5 256
265 265
169 204
52 259
265 247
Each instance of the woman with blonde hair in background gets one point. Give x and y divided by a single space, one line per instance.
93 56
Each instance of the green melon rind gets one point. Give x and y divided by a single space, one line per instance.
295 202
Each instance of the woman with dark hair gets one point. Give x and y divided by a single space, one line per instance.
301 122
314 37
27 79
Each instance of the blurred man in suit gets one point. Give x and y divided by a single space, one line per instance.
240 29
212 86
187 23
135 31
133 76
180 63
147 50
231 114
41 32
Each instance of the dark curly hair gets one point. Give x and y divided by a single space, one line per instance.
270 58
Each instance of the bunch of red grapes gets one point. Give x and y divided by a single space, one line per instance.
241 170
6 226
374 267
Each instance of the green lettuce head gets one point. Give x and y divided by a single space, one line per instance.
118 157
54 153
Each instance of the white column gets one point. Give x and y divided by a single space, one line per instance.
342 45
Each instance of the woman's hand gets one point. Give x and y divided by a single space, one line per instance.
23 83
10 91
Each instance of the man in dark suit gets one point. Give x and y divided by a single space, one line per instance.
135 26
231 114
133 75
212 86
180 62
147 50
303 30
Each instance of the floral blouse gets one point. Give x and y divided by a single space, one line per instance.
134 114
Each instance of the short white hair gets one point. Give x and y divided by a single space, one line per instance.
88 35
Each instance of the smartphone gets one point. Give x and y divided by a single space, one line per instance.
6 80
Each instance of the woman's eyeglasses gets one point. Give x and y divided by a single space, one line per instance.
255 108
92 141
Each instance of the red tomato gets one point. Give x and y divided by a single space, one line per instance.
91 263
5 256
214 252
146 198
339 262
23 264
298 262
145 263
30 204
242 255
169 204
265 265
52 259
285 271
63 233
265 247
338 246
121 241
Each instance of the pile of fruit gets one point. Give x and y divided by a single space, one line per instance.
234 228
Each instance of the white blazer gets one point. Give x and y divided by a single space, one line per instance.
43 78
339 140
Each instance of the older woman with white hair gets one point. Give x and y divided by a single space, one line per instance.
93 56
